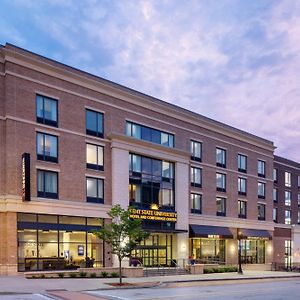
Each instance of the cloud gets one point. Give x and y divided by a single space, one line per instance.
234 61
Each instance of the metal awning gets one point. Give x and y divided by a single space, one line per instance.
207 231
254 233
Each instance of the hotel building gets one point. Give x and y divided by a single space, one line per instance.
73 144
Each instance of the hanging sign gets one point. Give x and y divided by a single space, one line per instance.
26 177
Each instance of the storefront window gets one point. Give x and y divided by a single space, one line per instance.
208 250
45 249
253 251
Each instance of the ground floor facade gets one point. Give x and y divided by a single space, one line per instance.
39 241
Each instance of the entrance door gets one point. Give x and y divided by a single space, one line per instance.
155 251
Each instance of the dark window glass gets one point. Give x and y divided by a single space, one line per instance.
47 184
261 168
94 123
261 211
242 163
46 147
242 186
261 190
221 182
242 209
221 157
149 134
95 190
196 151
221 206
46 110
196 177
196 203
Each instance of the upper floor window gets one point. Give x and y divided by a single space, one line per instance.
196 203
94 157
261 190
94 123
261 168
221 157
298 221
242 163
275 195
221 182
287 198
94 190
298 199
46 110
242 186
47 184
196 177
275 215
221 206
288 217
149 134
275 175
242 209
196 151
261 211
287 179
46 147
298 181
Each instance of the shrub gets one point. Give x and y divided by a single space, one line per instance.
61 275
33 277
82 274
104 274
93 275
42 276
73 275
114 275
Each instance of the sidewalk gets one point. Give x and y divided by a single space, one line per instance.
18 284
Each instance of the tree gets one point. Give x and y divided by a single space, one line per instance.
123 234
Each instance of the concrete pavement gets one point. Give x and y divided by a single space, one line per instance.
18 284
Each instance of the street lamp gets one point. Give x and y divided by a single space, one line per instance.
239 235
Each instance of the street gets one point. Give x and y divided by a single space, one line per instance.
258 290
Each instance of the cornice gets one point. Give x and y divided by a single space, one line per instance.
69 74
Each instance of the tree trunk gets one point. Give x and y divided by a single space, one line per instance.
120 270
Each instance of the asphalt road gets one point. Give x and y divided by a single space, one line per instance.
255 290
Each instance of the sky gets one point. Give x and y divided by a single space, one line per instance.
235 61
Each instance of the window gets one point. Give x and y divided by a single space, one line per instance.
221 207
94 123
275 195
196 151
221 157
94 190
298 181
47 184
287 179
196 203
298 199
149 134
261 168
242 186
46 147
261 211
242 163
275 215
151 181
287 198
94 157
242 209
46 110
196 177
261 190
298 220
287 218
275 175
221 182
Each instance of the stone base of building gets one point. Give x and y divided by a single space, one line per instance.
9 269
257 267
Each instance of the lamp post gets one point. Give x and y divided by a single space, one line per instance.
240 271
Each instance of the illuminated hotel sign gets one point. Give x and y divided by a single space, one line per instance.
153 215
26 177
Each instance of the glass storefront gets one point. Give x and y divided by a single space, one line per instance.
253 251
208 250
154 251
48 242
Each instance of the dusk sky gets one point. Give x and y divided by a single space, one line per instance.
237 62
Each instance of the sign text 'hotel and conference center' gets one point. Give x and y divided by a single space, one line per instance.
153 215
